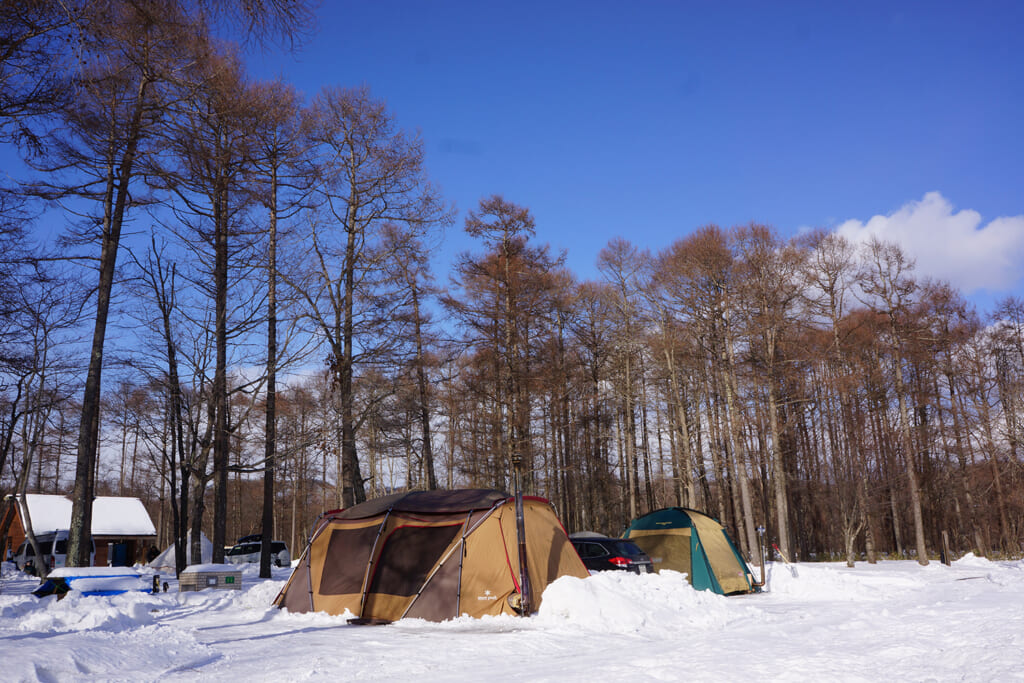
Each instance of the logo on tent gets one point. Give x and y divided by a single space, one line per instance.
488 596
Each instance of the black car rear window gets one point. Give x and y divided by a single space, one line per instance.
628 548
587 549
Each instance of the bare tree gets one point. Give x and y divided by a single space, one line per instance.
211 150
159 290
771 288
370 175
623 267
1008 318
830 273
116 108
512 280
697 278
409 269
50 309
128 50
886 280
281 183
33 39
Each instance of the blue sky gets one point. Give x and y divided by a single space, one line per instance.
647 120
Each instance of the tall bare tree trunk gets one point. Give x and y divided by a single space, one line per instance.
982 409
353 490
221 434
963 472
913 487
749 536
629 441
778 465
422 389
270 429
677 406
114 206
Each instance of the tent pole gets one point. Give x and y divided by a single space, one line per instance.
760 556
308 554
524 577
372 561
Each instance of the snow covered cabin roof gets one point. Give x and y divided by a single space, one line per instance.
49 513
121 517
111 516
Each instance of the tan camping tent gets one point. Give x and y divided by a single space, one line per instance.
429 554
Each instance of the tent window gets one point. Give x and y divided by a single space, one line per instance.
345 563
408 556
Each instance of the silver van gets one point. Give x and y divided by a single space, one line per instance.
54 547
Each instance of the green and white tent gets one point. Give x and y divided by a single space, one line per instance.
691 542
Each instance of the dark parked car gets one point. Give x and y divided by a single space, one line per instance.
601 553
248 549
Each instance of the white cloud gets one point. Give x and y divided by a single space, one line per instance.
951 245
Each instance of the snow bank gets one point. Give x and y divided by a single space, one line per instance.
607 602
832 582
77 612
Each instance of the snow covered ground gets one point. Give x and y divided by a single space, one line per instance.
891 621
